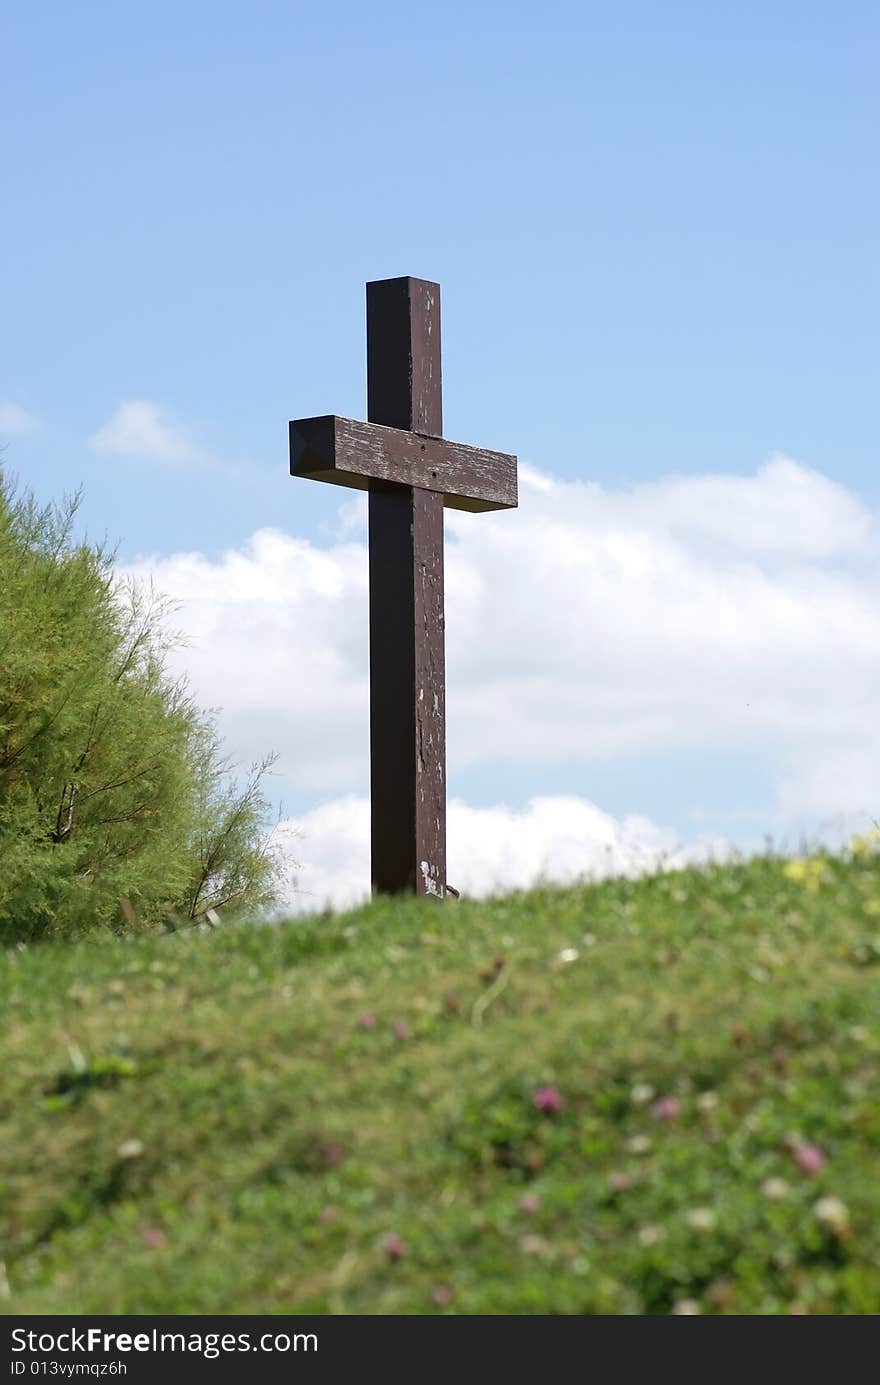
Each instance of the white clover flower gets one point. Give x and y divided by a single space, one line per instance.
642 1093
707 1101
686 1308
776 1189
832 1212
701 1218
638 1144
650 1235
568 954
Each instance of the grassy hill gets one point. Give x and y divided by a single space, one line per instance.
636 1097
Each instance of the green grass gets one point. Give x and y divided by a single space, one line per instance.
205 1123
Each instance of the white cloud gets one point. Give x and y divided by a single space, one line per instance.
277 637
139 428
560 838
14 420
733 612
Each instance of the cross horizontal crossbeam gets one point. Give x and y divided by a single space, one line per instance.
411 473
348 452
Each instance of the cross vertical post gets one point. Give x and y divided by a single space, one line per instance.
411 473
407 655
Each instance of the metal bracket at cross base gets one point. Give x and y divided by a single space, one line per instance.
411 472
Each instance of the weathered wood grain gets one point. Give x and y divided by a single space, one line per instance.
407 697
407 648
348 452
411 473
404 386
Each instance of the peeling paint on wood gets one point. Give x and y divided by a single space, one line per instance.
404 388
404 398
347 452
407 702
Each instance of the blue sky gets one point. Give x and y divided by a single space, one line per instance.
655 228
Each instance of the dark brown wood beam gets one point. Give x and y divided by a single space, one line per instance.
347 452
407 693
407 645
411 473
404 389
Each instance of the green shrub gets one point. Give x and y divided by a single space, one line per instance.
115 807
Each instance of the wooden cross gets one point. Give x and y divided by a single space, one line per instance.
411 472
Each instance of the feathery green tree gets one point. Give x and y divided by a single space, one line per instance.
115 806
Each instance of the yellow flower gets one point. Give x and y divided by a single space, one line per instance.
866 845
805 872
